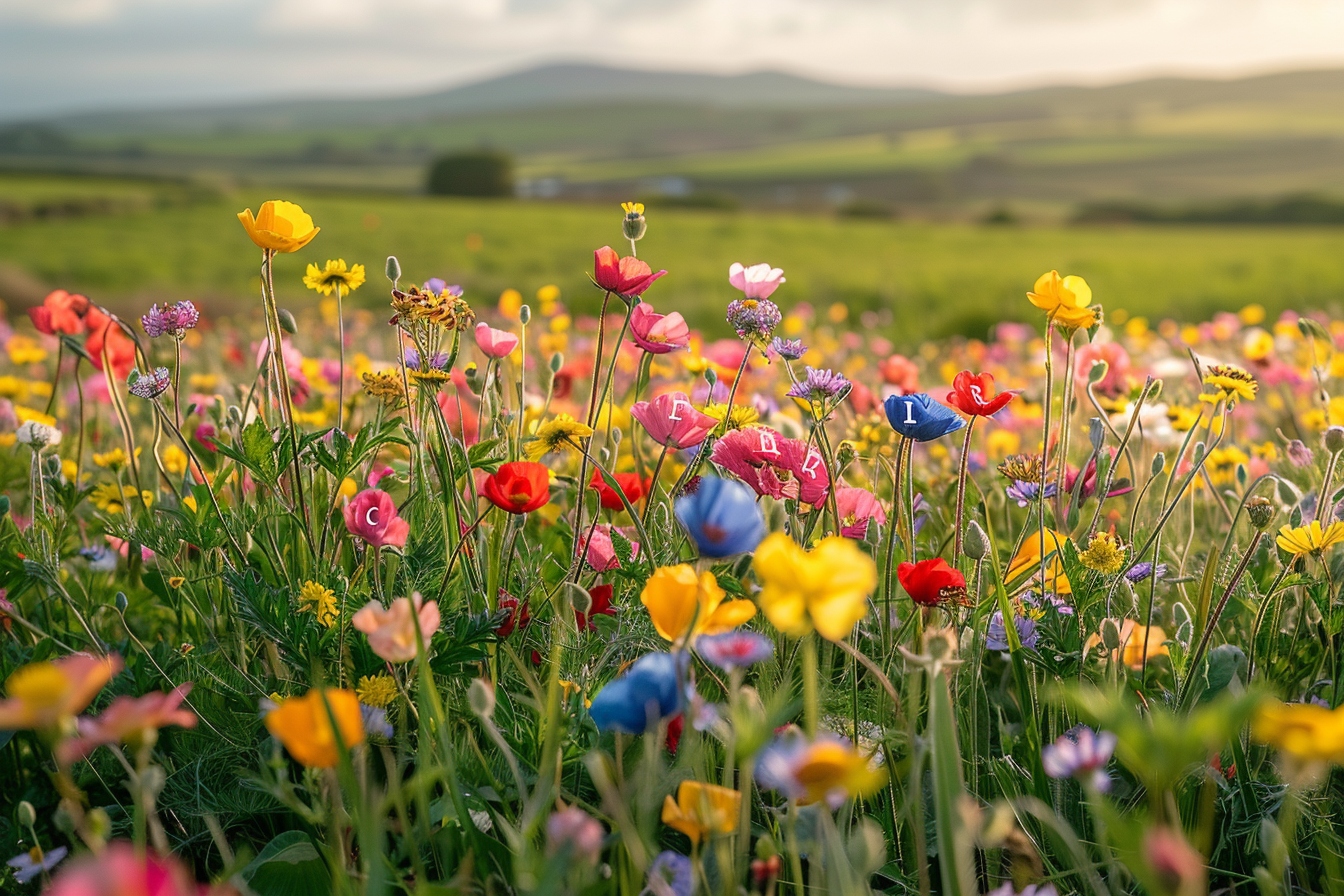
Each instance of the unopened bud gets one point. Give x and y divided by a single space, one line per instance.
1159 463
4 504
1096 433
634 225
1098 372
122 602
525 315
579 599
53 465
1110 634
26 815
235 415
976 543
941 644
287 322
1334 439
1261 512
98 824
392 269
481 698
557 361
711 377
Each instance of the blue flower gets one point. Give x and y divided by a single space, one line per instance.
996 635
648 692
375 721
722 517
921 418
671 873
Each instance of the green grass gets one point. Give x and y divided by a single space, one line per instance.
927 279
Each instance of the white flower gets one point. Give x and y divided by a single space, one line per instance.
38 435
28 865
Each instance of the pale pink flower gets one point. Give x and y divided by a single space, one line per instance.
756 282
673 421
495 343
372 516
657 333
392 630
1116 380
857 507
127 720
123 547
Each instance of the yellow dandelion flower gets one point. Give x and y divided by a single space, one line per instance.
174 460
1310 539
376 690
1229 383
335 276
320 601
1105 554
114 459
561 431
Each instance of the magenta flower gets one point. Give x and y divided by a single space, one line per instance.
672 420
774 465
372 517
170 320
495 343
600 553
756 282
657 333
857 508
735 650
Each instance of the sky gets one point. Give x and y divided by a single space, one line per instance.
80 55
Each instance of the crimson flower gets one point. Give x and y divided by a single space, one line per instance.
627 276
520 616
631 486
518 487
973 394
602 606
932 582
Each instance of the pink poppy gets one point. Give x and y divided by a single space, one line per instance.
1116 380
756 282
857 507
774 465
126 720
392 630
495 343
599 552
372 516
627 276
658 333
673 421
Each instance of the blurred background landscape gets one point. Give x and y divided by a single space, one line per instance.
1174 196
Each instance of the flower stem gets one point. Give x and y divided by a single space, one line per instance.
961 492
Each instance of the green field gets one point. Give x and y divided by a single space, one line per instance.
934 279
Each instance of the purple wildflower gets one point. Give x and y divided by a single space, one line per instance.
1007 889
149 385
1081 753
437 362
819 386
1024 491
754 319
1299 453
671 875
996 636
735 650
438 286
375 721
788 349
170 320
1142 570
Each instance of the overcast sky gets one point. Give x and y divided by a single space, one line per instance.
64 55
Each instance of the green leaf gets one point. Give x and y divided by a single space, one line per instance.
1227 662
289 866
259 452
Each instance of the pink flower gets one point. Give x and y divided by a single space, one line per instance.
372 516
774 465
657 333
392 631
857 507
1116 380
673 421
378 473
600 553
127 720
121 870
495 343
756 282
123 547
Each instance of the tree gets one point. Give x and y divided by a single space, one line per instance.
473 173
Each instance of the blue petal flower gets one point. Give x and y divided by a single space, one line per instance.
648 692
722 517
921 418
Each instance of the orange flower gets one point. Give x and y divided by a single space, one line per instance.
1135 639
106 337
303 725
279 226
43 695
702 809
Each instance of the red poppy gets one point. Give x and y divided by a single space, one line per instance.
519 616
932 582
107 337
627 276
60 312
518 487
602 606
673 738
973 394
631 486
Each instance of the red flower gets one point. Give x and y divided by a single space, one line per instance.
518 487
631 485
602 606
624 276
60 312
519 616
107 337
673 738
973 394
931 582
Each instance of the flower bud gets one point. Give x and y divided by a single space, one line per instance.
4 504
1096 433
634 225
97 823
1334 439
976 543
481 698
1110 634
579 598
53 465
711 377
1098 371
392 269
1159 463
1261 512
525 315
287 322
26 815
1298 453
234 415
557 361
122 602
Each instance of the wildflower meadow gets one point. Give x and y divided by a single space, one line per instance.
471 595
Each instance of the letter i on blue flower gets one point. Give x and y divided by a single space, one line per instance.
919 417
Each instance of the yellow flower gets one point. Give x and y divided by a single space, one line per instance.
1302 730
349 488
1310 539
174 460
376 690
548 294
1184 418
742 416
320 601
1223 462
28 415
303 725
1252 314
24 350
1257 344
632 208
1028 559
1105 554
701 810
386 386
279 226
1135 639
1067 300
112 498
334 277
1229 383
826 589
683 605
829 769
114 459
561 431
510 303
44 695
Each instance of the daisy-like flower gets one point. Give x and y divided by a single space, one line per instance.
754 319
561 431
334 276
788 349
820 386
28 865
1310 539
320 601
1081 753
1105 554
376 690
1229 383
735 650
386 386
149 385
170 320
1026 491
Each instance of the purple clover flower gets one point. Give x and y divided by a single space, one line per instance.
735 650
788 349
170 320
1140 571
1024 492
437 362
149 385
1081 753
754 319
819 386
